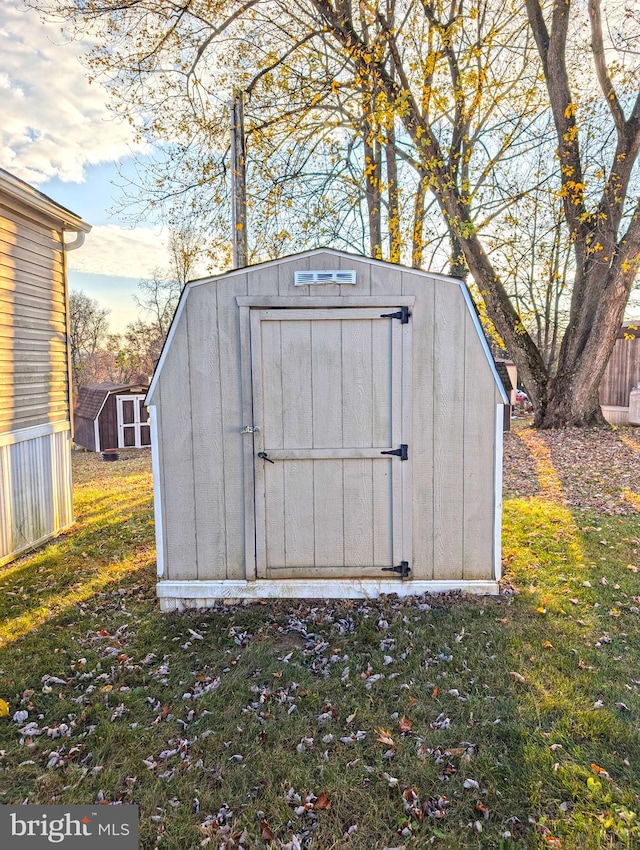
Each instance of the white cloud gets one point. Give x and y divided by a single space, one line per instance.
119 252
54 122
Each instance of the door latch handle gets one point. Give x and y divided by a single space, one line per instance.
265 456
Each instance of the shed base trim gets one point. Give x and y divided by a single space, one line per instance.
179 595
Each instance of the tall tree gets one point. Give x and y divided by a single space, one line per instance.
447 90
137 351
88 331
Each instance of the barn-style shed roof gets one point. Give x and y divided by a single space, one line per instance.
90 399
344 255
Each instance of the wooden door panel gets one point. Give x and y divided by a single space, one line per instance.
358 512
297 409
328 513
274 535
328 392
128 411
357 382
298 512
326 383
269 373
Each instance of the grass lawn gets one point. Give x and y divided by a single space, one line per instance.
455 722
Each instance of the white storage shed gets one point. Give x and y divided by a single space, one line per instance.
325 425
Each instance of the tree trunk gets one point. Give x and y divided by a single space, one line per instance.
572 401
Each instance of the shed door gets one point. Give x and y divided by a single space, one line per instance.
133 432
331 396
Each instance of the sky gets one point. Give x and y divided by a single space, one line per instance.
57 134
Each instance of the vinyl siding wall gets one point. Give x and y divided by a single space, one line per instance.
35 483
33 341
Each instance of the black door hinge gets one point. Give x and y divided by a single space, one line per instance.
404 569
402 314
402 452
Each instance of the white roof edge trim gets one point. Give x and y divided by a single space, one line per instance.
26 194
335 252
483 340
148 402
111 392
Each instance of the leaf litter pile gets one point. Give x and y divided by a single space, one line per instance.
598 469
447 721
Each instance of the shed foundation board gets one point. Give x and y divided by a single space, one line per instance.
179 595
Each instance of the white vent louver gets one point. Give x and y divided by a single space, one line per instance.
305 278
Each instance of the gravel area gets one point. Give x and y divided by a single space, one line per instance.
598 469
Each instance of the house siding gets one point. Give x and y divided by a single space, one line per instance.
35 429
33 342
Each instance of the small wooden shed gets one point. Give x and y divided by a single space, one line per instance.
325 425
621 375
111 416
35 406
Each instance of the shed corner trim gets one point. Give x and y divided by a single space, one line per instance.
483 340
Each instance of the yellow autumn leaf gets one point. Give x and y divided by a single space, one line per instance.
384 736
4 708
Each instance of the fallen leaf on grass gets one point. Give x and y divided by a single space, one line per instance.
4 708
484 810
385 737
405 725
601 771
266 833
323 802
441 722
518 677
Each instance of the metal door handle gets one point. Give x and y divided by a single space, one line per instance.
265 456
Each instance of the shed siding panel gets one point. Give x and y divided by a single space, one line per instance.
33 385
84 433
206 413
108 424
421 438
286 274
479 460
35 492
231 394
448 424
385 281
363 276
622 373
176 440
